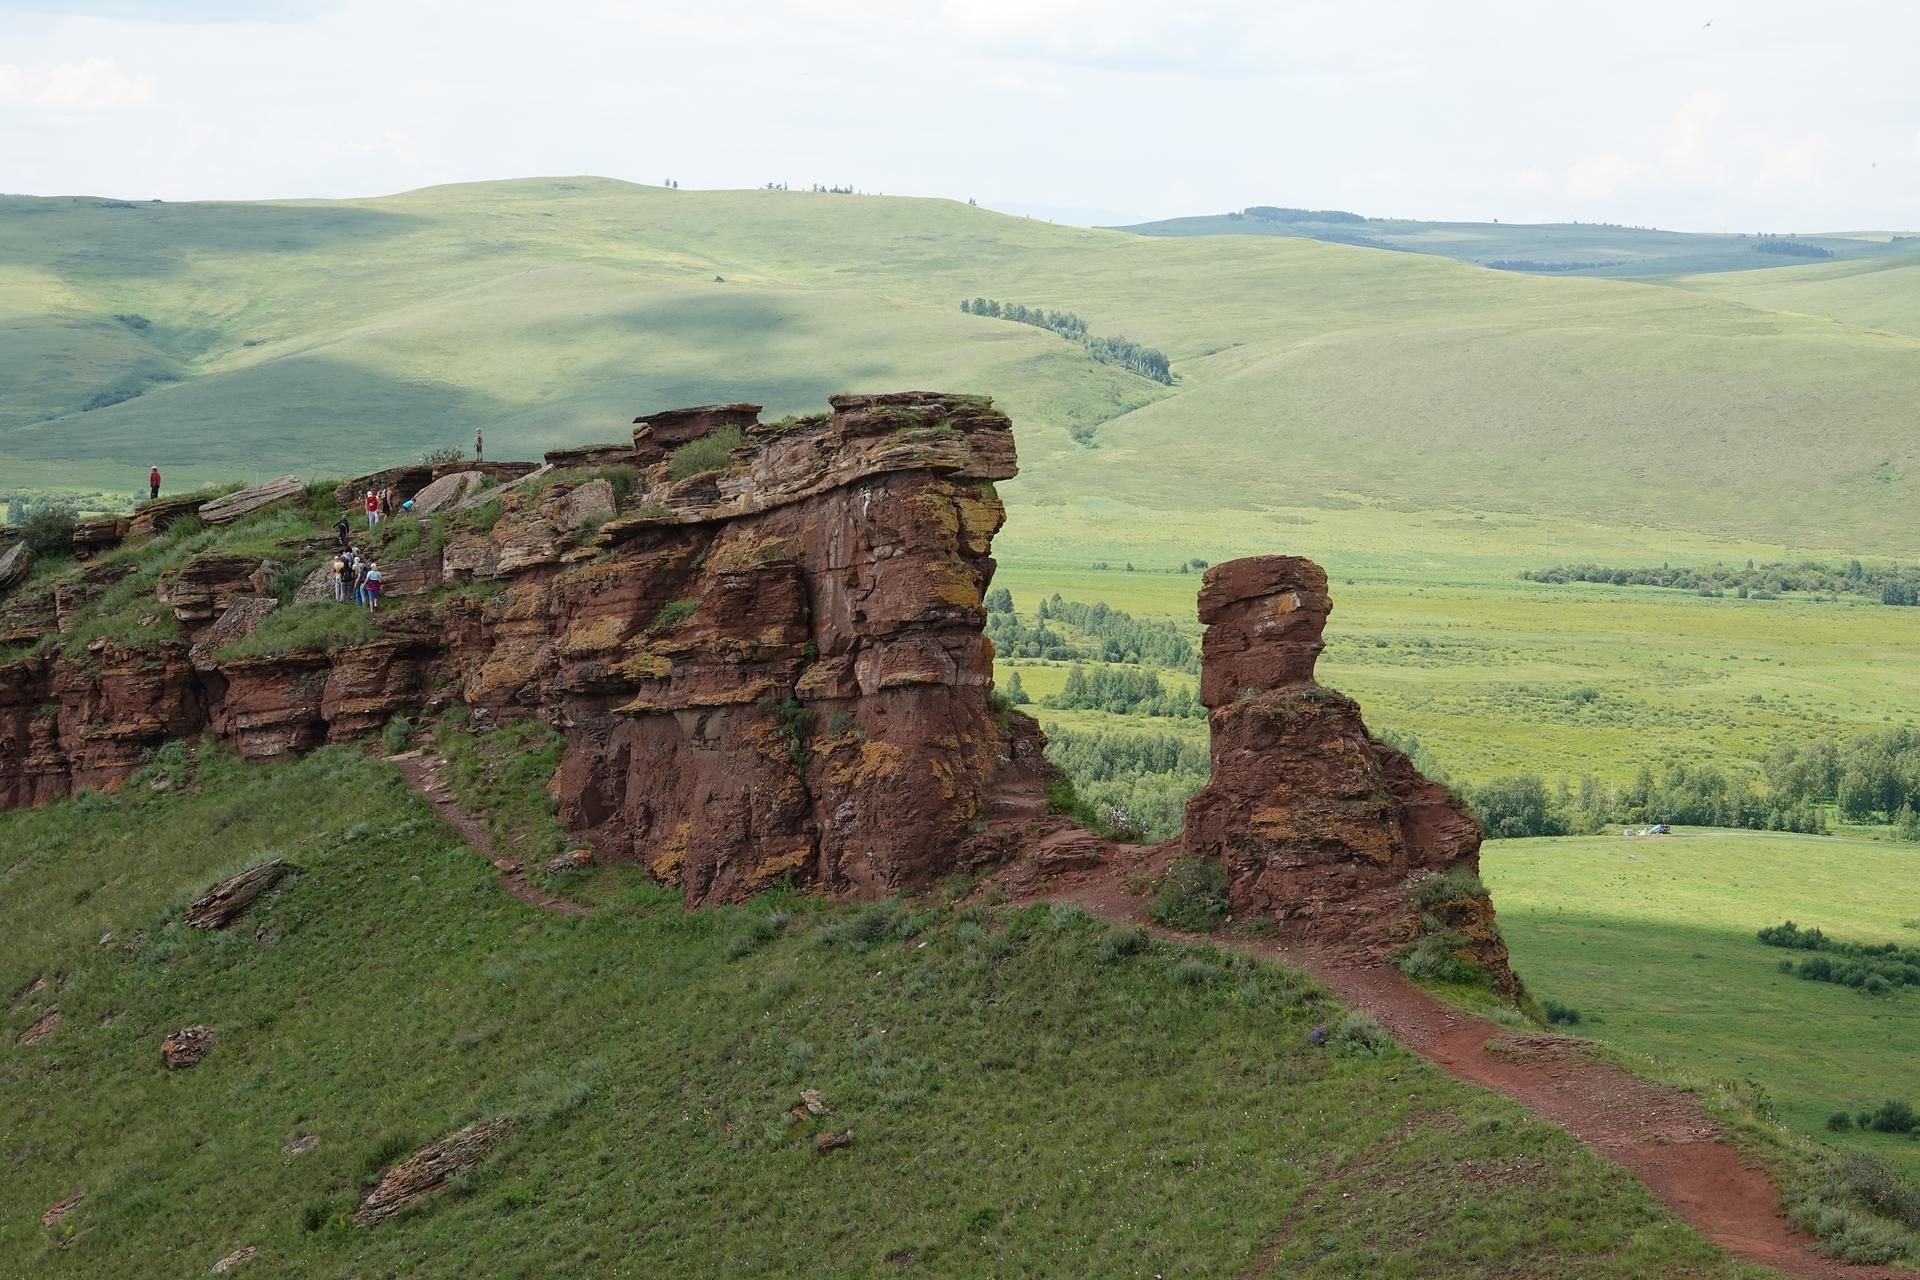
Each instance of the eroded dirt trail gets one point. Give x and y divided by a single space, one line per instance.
1657 1133
421 768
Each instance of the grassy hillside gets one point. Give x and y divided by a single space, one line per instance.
1882 295
1553 248
325 337
1653 940
1029 1093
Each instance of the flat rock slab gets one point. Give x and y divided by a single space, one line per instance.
61 1210
152 517
446 491
235 1258
42 1029
317 585
227 901
15 563
236 623
259 497
427 1170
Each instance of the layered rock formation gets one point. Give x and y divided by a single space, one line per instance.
1315 821
774 668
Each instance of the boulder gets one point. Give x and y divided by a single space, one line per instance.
317 585
186 1047
58 1211
16 562
40 1030
235 623
259 497
220 906
202 588
428 1169
91 537
151 518
446 491
234 1259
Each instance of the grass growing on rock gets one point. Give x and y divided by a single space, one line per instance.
1089 1109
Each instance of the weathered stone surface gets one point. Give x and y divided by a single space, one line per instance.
670 427
45 1026
427 1170
234 1259
203 588
94 579
317 585
58 1211
301 1145
227 901
155 517
1314 821
775 672
259 497
235 623
16 562
91 537
186 1047
446 491
594 455
482 496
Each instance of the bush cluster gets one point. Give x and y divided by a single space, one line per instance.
1872 968
1192 896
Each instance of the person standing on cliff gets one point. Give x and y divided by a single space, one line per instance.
340 577
373 509
153 484
477 443
373 587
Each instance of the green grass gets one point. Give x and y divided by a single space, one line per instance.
317 626
1653 941
1308 374
650 1055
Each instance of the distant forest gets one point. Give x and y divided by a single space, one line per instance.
1148 362
1272 213
1790 248
1889 584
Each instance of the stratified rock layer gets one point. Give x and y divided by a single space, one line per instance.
1314 820
774 669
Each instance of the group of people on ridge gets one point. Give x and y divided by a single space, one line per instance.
353 572
380 506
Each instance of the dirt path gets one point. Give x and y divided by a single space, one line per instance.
1657 1133
421 768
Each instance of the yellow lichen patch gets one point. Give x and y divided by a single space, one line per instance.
766 737
644 664
771 869
897 679
935 507
638 707
943 774
980 519
954 582
666 864
746 552
873 762
592 637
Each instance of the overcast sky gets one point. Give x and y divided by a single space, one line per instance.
1698 114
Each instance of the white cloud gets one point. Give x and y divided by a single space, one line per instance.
1599 177
96 84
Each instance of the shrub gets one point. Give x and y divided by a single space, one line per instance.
48 532
1358 1035
1435 958
1894 1116
1560 1015
1449 886
1192 897
446 453
398 735
1840 1122
1194 973
673 611
708 453
1119 941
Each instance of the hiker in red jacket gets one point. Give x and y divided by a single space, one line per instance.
153 484
373 509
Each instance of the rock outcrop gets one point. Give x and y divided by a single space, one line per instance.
227 901
245 502
1315 821
428 1170
15 563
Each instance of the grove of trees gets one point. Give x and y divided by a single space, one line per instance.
1148 362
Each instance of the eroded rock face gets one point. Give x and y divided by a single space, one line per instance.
1314 821
428 1169
227 901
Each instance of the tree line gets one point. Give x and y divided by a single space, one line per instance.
1123 691
1138 782
1123 353
1890 584
1113 634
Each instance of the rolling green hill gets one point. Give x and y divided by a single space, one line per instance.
1552 248
1883 295
227 340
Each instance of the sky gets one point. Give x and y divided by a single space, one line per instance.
1740 115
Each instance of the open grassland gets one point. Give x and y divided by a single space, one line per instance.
1653 941
1491 672
1883 295
1026 1095
220 340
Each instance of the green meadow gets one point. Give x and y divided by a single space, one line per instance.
1028 1092
1652 939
